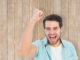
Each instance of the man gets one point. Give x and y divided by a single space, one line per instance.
52 47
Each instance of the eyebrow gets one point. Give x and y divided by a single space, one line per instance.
55 27
49 27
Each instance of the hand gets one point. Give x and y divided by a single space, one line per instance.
37 15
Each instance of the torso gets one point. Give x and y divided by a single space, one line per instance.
56 52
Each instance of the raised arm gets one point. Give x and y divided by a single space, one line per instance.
27 49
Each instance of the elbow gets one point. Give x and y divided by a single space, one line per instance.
24 53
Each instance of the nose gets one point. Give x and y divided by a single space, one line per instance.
52 32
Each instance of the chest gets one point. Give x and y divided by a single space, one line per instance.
56 53
46 54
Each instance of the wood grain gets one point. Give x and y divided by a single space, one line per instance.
16 14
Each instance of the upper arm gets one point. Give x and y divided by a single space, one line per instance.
33 51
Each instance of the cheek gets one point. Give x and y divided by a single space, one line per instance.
46 32
58 32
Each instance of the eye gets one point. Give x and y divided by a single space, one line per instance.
55 28
47 28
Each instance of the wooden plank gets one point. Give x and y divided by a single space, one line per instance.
11 30
65 16
3 30
17 27
73 34
78 27
72 17
56 7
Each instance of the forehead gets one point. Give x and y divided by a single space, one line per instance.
51 24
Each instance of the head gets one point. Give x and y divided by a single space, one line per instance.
53 28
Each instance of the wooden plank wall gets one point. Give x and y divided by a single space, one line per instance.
15 15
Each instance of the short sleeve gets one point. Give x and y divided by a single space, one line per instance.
37 44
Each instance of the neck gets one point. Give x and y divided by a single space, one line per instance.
57 44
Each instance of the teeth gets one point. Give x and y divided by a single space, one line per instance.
52 36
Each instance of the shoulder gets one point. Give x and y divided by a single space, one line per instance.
67 43
41 42
69 46
38 43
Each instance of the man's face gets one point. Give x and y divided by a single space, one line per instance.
52 31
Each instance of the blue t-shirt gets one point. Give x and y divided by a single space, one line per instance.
44 52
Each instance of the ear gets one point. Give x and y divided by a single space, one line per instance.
61 29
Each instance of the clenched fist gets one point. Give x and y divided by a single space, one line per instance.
37 15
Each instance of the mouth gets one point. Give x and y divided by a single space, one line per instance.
53 38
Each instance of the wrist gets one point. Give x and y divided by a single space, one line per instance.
34 20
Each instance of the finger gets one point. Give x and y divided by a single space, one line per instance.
41 14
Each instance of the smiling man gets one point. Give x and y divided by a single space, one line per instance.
53 28
52 47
